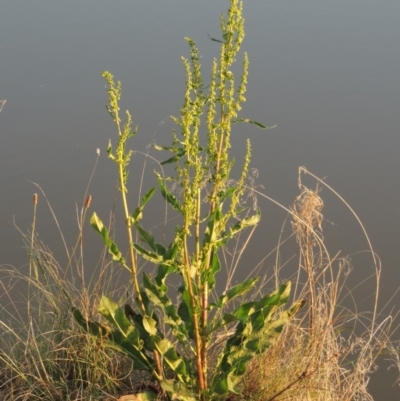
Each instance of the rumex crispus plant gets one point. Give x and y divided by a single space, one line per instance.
211 209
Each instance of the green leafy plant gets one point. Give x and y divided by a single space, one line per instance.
212 212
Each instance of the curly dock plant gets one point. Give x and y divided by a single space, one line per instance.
210 204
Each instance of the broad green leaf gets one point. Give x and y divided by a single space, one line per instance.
138 333
148 305
172 149
172 159
159 297
236 291
241 313
171 199
109 151
146 339
178 391
208 274
210 236
185 312
239 226
294 309
246 120
228 193
260 323
215 40
252 220
94 328
179 153
149 240
119 343
157 294
148 196
151 256
112 247
137 214
116 340
150 325
170 255
164 270
116 316
277 298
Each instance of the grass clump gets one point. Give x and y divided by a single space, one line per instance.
330 352
43 354
188 339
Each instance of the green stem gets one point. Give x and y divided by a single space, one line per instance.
205 289
133 259
196 328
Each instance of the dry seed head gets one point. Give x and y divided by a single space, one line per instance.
35 199
88 201
307 210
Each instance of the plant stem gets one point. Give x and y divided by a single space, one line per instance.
205 289
133 260
31 264
197 336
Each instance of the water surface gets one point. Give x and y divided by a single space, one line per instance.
325 72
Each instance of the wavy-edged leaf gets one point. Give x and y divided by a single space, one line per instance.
136 331
118 341
179 153
94 328
246 120
215 40
176 363
137 214
170 255
116 316
112 247
294 309
208 274
149 240
236 291
185 312
171 199
164 270
172 149
172 159
239 226
228 193
259 325
159 298
150 256
109 151
210 236
150 325
178 391
157 295
274 300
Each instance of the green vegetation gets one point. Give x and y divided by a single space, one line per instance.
177 338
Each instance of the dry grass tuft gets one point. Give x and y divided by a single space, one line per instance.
43 353
330 352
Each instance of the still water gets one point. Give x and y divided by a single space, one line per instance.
326 72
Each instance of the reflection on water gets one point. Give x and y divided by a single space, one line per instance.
326 73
